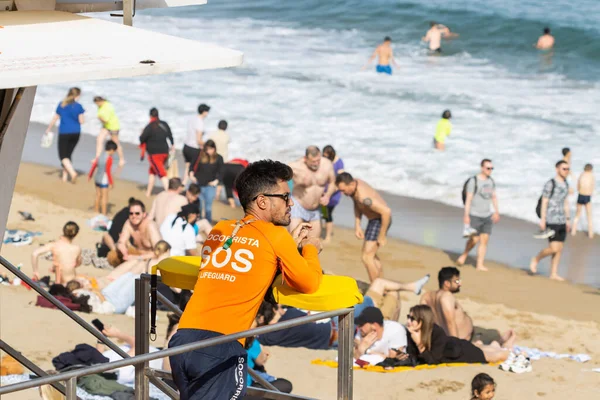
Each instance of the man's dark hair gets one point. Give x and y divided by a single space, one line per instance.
561 162
260 177
387 39
312 151
222 125
446 274
266 310
154 112
193 189
344 177
565 151
588 167
137 202
110 146
546 31
432 23
174 183
130 201
484 161
330 151
446 114
203 108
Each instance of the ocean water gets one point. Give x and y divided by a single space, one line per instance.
301 84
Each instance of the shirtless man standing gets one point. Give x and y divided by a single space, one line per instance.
142 230
66 256
386 55
369 203
585 188
546 41
312 174
453 319
168 202
434 36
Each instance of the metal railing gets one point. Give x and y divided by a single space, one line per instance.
144 375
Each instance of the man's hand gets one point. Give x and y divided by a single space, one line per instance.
121 163
301 232
325 200
367 342
543 225
111 331
359 233
467 220
495 217
314 241
192 177
381 241
568 226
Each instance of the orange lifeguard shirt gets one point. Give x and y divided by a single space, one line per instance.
232 283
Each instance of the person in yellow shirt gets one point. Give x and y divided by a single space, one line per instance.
110 126
240 260
442 130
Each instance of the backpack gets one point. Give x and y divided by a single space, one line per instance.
464 190
538 208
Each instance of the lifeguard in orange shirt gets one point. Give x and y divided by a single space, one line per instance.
239 262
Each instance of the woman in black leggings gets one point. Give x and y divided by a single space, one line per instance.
70 113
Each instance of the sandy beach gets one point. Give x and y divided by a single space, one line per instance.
552 316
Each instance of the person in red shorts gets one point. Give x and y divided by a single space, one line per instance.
154 140
239 262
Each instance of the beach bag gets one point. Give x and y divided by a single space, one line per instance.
538 208
47 139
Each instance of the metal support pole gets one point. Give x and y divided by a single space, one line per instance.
128 12
72 388
142 331
345 356
28 364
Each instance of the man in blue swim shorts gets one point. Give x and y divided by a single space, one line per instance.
385 56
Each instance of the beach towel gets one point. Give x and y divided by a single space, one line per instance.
373 368
19 237
82 354
536 354
99 223
43 302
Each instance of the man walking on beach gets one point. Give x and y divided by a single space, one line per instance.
449 314
385 56
240 259
546 41
585 188
554 219
369 203
312 174
480 194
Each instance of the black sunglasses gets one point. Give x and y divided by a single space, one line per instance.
284 196
135 213
489 168
410 318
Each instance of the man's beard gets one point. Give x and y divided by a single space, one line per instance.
457 290
283 221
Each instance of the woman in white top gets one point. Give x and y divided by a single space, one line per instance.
194 139
178 231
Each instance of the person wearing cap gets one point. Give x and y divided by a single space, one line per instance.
168 201
442 131
240 260
376 336
178 231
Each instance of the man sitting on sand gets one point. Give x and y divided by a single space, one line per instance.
110 238
168 202
144 232
66 256
386 56
369 203
312 174
546 41
453 319
377 336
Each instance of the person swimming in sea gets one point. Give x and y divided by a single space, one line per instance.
385 56
435 34
442 131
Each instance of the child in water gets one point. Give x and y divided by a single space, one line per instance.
483 387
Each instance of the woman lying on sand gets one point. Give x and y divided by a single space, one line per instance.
118 295
428 343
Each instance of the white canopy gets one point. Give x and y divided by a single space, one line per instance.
77 6
47 47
